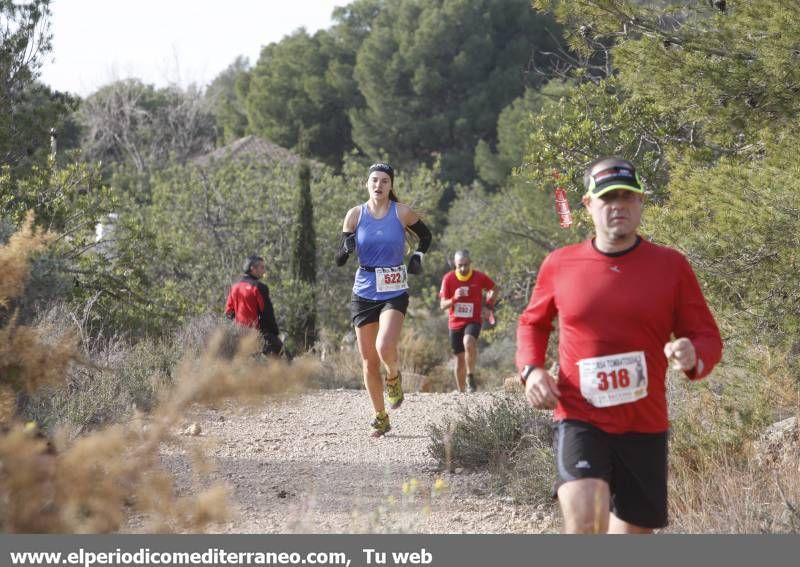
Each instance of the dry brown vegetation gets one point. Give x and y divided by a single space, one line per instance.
92 483
724 476
25 361
14 258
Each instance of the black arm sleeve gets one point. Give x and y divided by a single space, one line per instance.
266 321
346 248
424 234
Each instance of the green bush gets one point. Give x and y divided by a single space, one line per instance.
507 437
96 394
479 436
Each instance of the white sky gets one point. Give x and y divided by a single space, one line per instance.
167 41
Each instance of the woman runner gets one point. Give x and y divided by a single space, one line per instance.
375 230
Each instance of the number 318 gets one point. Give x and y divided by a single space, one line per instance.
613 379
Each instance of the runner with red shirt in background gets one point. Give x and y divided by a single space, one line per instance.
461 295
626 309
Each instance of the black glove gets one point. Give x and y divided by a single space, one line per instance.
415 263
349 243
347 247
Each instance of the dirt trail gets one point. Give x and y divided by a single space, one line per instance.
308 465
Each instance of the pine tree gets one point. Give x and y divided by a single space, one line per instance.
304 254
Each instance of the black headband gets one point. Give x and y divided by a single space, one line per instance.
385 168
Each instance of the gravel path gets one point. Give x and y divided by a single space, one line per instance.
308 465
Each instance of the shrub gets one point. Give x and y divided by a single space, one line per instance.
117 376
113 377
496 361
507 437
91 483
340 369
424 343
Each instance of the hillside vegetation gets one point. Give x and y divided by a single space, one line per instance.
125 216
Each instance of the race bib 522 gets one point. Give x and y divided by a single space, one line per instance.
391 279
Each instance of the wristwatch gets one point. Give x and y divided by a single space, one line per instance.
526 371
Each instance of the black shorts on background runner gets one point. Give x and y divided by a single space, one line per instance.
633 464
457 336
365 311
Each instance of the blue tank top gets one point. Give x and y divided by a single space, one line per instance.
380 243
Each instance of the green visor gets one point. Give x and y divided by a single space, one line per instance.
611 178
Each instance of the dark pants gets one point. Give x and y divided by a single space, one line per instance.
273 346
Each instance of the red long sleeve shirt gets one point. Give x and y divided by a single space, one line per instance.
467 309
617 304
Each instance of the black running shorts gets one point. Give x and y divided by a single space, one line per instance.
457 336
365 311
633 464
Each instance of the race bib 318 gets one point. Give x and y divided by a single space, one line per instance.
614 379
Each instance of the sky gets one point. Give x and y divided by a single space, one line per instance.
166 42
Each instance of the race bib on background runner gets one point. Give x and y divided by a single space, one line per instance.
463 310
614 379
391 279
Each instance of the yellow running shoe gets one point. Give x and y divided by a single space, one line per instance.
395 390
380 425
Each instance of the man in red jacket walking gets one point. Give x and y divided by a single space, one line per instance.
626 309
250 306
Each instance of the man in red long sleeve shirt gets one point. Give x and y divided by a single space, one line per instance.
626 309
462 295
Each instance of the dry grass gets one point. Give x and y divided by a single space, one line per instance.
15 258
92 483
340 369
496 362
423 350
718 482
116 377
734 496
424 344
25 361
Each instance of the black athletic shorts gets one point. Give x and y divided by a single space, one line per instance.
457 336
633 464
365 311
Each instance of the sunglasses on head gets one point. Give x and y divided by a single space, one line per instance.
615 176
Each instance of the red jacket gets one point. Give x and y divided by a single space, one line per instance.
616 304
249 304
